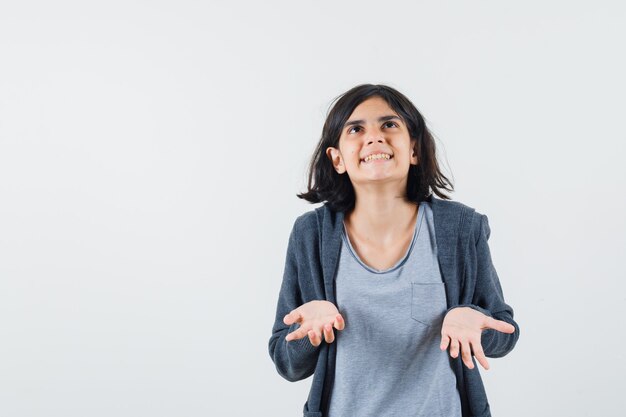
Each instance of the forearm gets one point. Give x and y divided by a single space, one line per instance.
295 360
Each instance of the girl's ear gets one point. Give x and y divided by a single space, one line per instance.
414 158
335 157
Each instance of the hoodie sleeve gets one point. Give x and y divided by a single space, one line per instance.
489 299
294 360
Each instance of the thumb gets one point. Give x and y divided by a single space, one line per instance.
501 326
292 317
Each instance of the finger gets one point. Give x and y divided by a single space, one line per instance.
454 347
314 338
329 336
479 354
501 326
292 317
339 324
296 334
466 354
445 342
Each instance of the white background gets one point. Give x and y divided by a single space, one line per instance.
150 153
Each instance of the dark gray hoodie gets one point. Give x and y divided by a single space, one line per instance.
469 277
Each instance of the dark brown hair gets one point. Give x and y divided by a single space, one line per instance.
326 184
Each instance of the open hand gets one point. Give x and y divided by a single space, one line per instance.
315 317
463 326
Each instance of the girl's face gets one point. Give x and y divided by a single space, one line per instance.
374 128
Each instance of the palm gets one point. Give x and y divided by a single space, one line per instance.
461 330
315 317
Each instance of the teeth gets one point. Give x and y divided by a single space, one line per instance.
377 156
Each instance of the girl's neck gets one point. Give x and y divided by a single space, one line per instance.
382 220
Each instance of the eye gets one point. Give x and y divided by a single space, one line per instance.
393 124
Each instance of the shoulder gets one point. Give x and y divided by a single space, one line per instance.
476 221
319 218
307 220
306 226
448 205
316 225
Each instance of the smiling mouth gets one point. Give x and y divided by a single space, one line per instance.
364 161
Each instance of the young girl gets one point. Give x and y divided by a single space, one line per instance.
384 278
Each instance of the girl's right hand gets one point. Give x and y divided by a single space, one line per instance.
315 317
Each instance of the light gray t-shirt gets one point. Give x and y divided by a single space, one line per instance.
388 357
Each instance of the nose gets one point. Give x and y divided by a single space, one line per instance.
375 138
376 135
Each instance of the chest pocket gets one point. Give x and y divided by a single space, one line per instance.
428 302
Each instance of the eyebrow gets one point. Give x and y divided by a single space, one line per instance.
380 119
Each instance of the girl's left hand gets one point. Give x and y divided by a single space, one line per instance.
463 326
